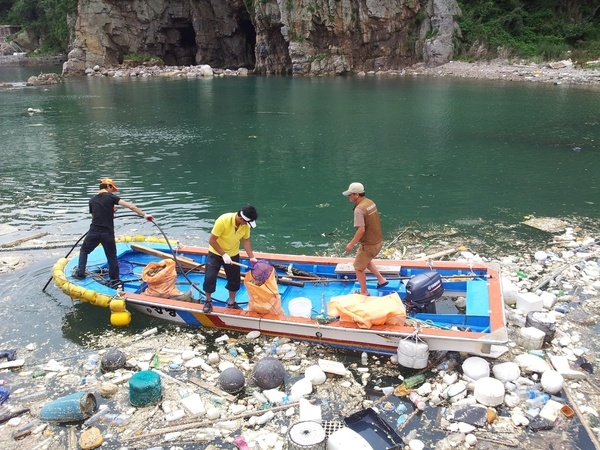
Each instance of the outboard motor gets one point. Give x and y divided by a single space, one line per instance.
422 291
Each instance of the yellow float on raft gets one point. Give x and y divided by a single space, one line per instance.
119 315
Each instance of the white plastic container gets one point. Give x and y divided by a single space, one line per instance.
300 307
345 439
306 435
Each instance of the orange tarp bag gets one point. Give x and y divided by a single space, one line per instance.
161 277
367 311
261 284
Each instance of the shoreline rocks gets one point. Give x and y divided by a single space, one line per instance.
498 70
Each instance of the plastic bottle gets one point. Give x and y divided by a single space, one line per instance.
96 416
417 401
364 358
414 380
401 409
26 429
538 353
402 418
217 400
261 420
260 397
538 401
34 396
115 419
527 393
175 415
91 363
446 365
222 338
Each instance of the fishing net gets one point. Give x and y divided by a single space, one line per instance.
261 271
125 268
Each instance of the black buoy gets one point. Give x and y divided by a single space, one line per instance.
268 373
232 380
113 359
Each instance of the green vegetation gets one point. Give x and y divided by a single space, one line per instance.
141 57
540 29
46 18
531 29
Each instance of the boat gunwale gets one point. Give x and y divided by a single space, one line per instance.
497 331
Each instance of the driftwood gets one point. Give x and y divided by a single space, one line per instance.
438 254
206 423
12 364
560 270
400 235
588 429
25 239
209 387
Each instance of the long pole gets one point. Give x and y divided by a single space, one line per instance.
66 256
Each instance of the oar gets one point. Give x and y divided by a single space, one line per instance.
66 256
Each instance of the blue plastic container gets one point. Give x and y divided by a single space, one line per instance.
144 388
72 408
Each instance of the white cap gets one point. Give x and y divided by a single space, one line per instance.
354 188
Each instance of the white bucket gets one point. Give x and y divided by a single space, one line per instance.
300 307
307 436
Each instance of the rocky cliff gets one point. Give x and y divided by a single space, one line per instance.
302 37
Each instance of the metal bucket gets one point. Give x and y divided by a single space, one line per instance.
307 436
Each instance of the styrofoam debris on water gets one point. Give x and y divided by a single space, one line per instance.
475 368
507 371
489 391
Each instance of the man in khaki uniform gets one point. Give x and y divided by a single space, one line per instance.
368 234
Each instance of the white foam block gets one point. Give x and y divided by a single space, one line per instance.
335 367
194 405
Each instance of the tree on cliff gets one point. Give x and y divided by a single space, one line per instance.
46 19
545 29
534 29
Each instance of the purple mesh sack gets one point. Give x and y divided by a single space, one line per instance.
262 271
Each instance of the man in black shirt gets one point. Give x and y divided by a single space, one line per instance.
102 230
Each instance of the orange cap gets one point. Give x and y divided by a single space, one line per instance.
109 182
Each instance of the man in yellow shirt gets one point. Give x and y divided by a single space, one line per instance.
224 248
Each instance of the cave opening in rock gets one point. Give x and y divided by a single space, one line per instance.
247 28
180 45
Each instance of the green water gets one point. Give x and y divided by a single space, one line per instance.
432 150
478 156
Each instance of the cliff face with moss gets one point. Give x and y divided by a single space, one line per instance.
302 37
